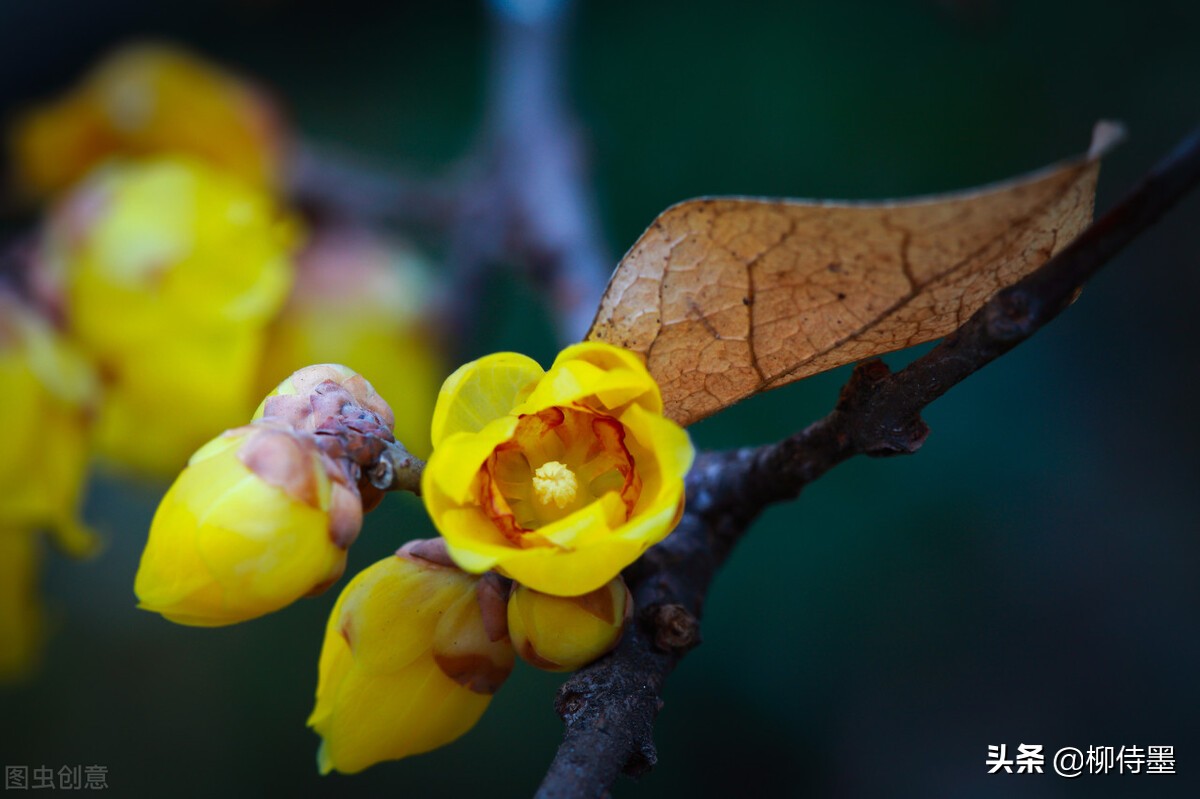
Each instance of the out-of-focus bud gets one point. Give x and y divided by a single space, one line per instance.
408 664
259 518
564 633
49 392
147 99
366 302
21 627
169 273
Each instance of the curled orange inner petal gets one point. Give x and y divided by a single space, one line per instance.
557 462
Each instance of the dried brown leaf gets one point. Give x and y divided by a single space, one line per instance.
727 297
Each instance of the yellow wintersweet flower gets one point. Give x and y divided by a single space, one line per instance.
50 391
146 99
169 273
564 633
258 519
364 302
409 663
557 479
21 626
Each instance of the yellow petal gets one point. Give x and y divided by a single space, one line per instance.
596 519
578 382
392 716
615 359
480 392
456 460
473 541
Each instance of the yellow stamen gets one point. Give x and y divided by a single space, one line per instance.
554 482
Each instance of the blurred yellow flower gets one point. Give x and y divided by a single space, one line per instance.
258 519
556 479
21 626
364 302
408 664
169 273
564 633
147 99
50 393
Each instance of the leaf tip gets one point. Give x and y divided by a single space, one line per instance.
1107 134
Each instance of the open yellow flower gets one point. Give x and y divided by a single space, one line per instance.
557 479
257 520
408 663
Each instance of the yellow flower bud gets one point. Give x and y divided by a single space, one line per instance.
170 273
557 479
49 390
362 301
567 633
147 99
409 663
259 518
20 608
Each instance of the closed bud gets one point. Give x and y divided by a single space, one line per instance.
560 633
259 518
408 663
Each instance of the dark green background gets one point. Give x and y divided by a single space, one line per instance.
1029 577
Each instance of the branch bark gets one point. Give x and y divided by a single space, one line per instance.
609 708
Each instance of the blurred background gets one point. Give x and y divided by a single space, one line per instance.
1028 577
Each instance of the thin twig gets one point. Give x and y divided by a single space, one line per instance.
609 708
331 183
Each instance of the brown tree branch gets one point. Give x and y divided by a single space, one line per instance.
609 708
531 205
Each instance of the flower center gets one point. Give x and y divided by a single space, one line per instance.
583 458
554 482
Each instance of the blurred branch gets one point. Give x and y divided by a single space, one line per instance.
520 197
531 204
329 183
609 708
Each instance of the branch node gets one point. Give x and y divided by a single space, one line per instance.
1011 316
862 383
641 760
880 431
397 469
675 629
569 702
